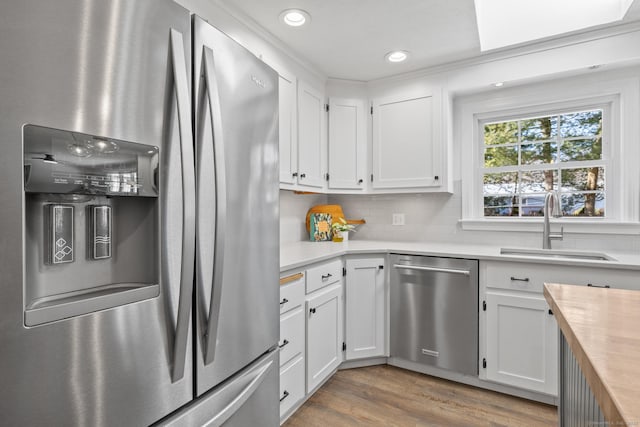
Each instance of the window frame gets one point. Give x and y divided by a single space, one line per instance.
620 96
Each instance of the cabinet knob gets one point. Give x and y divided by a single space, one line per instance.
326 276
312 310
285 342
360 181
303 175
294 174
284 301
436 177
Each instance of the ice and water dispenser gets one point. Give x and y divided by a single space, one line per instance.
91 223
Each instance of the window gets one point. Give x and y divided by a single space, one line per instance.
578 136
526 157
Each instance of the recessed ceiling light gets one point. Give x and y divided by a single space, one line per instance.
295 17
397 56
498 84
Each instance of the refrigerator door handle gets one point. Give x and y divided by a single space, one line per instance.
213 98
180 80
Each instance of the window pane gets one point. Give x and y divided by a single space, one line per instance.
500 183
501 133
539 129
583 204
581 149
532 205
500 206
540 153
500 156
586 123
538 181
583 179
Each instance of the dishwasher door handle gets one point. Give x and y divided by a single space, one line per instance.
434 269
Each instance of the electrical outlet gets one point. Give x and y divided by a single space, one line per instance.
397 219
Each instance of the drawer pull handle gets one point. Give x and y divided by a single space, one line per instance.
284 395
326 276
312 310
292 278
598 286
284 301
517 279
285 342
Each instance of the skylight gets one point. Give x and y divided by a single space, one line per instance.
507 22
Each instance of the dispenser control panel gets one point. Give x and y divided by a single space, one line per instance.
59 161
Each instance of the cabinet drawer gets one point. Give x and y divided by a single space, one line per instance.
291 385
531 277
292 292
323 275
516 276
291 334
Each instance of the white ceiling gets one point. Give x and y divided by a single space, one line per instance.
348 39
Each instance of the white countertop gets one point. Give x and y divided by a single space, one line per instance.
298 254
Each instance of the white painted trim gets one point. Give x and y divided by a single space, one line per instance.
620 88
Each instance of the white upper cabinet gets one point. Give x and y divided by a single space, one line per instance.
408 142
287 130
311 137
347 144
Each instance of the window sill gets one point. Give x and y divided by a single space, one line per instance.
573 225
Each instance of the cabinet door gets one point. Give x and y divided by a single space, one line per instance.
406 140
287 130
347 144
522 342
324 334
311 136
365 303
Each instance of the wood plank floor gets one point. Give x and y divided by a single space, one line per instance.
389 396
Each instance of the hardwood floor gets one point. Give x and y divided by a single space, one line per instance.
389 396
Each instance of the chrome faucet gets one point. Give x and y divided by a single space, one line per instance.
551 208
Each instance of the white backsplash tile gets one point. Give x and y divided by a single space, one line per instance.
293 213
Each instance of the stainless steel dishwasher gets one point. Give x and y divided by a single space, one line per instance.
434 311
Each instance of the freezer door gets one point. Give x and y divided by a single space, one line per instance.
237 263
249 398
109 68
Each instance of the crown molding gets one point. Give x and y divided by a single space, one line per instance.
515 51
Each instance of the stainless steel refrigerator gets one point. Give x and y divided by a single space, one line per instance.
139 208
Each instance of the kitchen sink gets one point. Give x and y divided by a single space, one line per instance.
550 253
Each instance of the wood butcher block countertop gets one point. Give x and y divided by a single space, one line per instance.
602 328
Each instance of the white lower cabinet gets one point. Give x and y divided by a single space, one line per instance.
521 342
291 384
324 333
364 308
292 341
291 334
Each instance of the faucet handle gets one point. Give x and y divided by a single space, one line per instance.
558 236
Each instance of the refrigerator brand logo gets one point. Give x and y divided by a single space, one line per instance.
258 81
